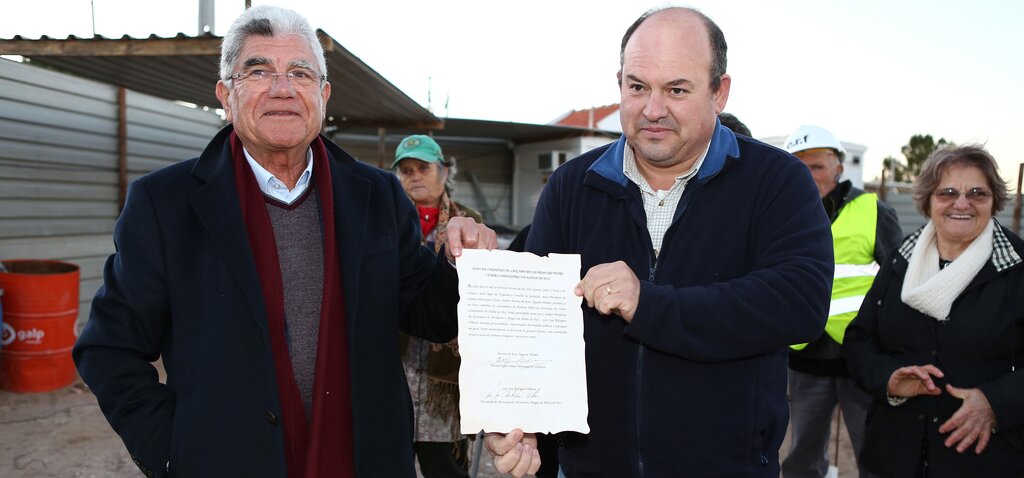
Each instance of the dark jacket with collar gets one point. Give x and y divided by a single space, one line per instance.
696 384
978 347
182 287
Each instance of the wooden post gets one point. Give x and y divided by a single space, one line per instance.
381 147
122 148
881 185
1016 206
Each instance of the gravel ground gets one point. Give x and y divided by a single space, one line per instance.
59 434
62 434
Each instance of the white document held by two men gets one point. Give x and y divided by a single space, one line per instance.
521 341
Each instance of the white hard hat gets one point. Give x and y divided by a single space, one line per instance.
811 137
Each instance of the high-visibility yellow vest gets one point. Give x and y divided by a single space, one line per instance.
853 240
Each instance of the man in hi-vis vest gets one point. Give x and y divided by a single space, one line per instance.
864 231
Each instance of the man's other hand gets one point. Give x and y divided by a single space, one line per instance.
514 453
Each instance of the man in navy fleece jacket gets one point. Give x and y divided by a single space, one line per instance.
705 255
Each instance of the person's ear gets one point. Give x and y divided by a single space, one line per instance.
722 95
223 93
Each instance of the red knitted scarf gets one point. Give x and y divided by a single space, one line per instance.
321 447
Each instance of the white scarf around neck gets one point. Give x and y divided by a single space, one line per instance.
931 290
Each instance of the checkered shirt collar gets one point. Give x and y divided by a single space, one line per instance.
1003 254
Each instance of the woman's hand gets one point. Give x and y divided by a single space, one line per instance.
972 423
914 380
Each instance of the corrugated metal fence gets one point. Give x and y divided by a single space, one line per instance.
59 162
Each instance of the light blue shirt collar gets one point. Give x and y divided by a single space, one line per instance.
273 187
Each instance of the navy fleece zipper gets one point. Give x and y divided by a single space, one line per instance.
653 266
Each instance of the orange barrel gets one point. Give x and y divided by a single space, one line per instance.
40 307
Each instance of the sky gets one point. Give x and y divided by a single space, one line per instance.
873 72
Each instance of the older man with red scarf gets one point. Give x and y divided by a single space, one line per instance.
270 275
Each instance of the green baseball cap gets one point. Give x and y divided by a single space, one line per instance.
420 147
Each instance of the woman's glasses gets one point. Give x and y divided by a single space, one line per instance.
974 195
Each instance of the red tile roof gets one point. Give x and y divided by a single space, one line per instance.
583 119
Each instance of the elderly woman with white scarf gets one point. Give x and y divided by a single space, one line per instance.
938 336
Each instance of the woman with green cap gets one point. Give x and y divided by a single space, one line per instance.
433 369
